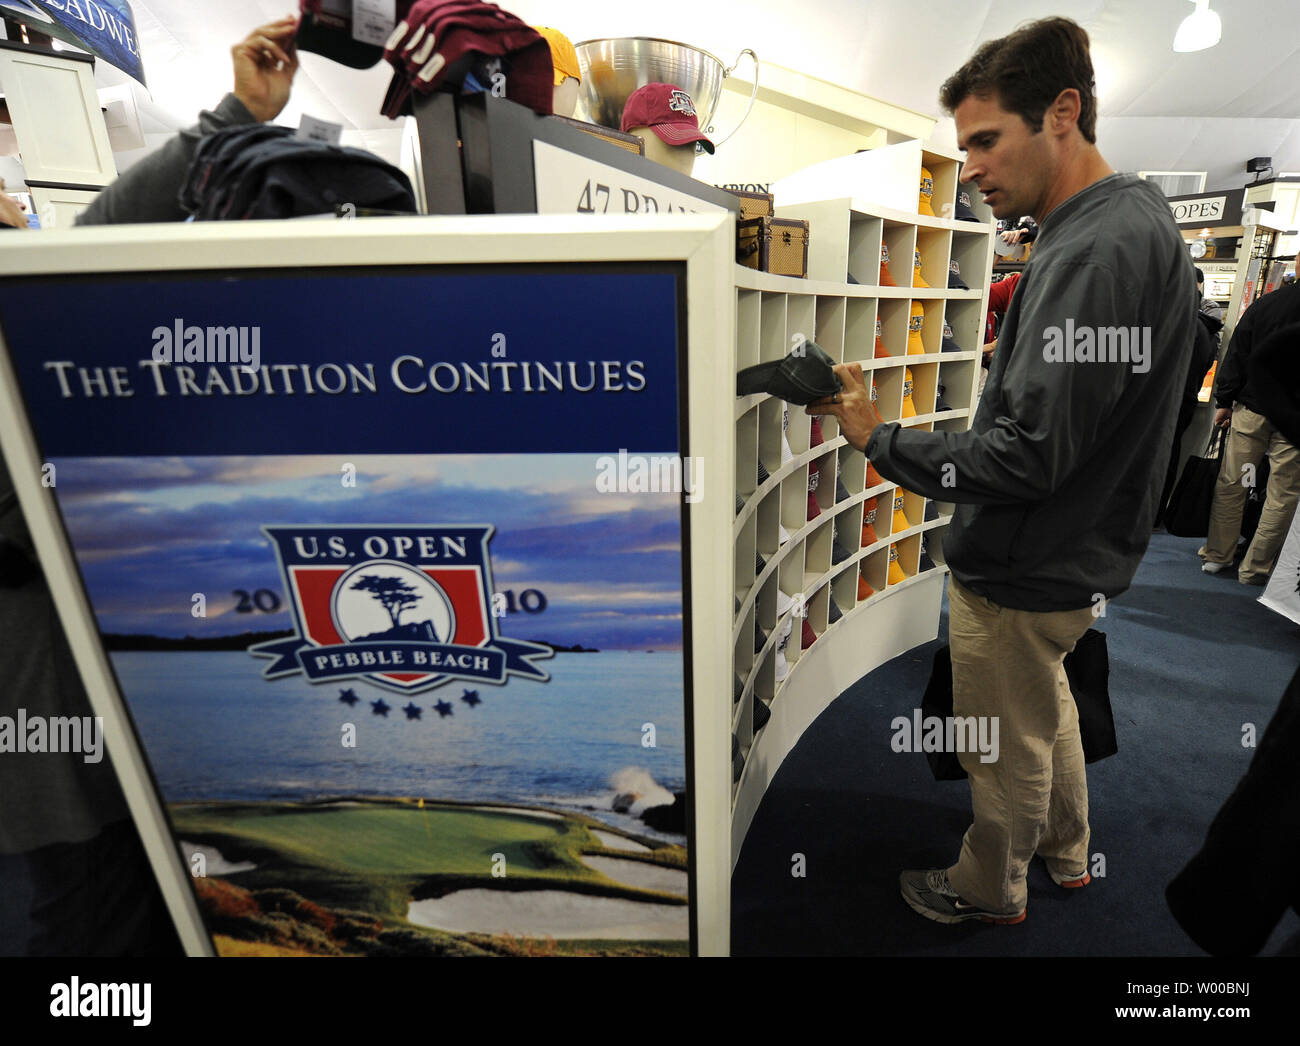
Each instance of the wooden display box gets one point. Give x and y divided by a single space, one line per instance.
754 204
775 245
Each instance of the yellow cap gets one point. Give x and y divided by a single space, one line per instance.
927 191
909 411
896 573
917 279
563 56
915 346
901 521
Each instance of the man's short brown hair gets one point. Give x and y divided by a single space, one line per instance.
1026 71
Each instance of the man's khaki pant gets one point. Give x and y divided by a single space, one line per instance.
1252 436
1034 797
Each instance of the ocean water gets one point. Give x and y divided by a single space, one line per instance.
213 728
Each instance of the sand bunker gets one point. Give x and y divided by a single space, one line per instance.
216 864
619 842
551 913
639 874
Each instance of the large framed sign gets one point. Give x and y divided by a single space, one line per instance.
381 573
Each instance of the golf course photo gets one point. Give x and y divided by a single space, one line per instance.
389 876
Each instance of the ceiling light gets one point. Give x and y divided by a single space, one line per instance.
1200 29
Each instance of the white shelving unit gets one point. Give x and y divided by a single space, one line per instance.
881 614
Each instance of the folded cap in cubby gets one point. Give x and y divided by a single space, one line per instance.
900 522
841 491
926 562
873 477
909 409
917 279
784 603
949 345
880 344
955 282
853 281
737 689
759 563
782 535
807 374
740 504
815 438
564 57
939 402
838 552
761 714
737 759
963 210
760 638
869 522
809 637
668 111
865 591
931 510
738 604
886 280
915 324
763 474
786 627
814 509
927 191
896 572
833 612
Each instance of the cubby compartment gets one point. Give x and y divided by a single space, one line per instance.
747 324
847 533
943 170
913 506
900 240
844 589
909 548
743 655
794 500
966 319
766 613
859 330
831 311
772 326
823 488
934 245
972 252
817 552
817 609
747 453
746 550
889 392
800 321
925 377
765 678
864 249
877 510
852 469
767 534
932 311
875 569
895 315
895 565
958 380
797 422
792 575
926 538
769 435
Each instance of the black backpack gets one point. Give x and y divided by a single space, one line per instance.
1205 350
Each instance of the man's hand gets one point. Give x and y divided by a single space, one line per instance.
1223 417
11 211
265 63
1012 236
851 406
989 349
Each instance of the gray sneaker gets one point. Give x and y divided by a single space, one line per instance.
1214 568
928 892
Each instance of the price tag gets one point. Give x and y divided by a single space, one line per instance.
373 21
314 130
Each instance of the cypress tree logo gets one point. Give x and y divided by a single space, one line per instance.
407 608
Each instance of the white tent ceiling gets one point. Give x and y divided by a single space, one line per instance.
1158 110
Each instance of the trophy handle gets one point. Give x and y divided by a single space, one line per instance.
752 94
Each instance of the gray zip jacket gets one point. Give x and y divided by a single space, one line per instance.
1057 479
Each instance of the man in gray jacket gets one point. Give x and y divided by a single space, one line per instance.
1057 480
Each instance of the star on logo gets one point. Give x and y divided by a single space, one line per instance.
444 709
380 707
412 710
349 697
471 698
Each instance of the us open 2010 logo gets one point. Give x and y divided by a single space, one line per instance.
407 608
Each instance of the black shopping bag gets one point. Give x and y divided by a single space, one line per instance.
1188 514
1087 667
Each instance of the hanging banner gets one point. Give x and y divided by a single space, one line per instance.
105 28
389 567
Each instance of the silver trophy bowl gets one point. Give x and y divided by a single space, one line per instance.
613 68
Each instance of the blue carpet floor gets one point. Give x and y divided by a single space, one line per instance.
1193 658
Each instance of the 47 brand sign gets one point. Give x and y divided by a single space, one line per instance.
407 608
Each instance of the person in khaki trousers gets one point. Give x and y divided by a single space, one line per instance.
1057 481
1251 436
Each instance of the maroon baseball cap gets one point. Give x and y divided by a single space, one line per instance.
669 111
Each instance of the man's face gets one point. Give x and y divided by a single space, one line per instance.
1010 165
